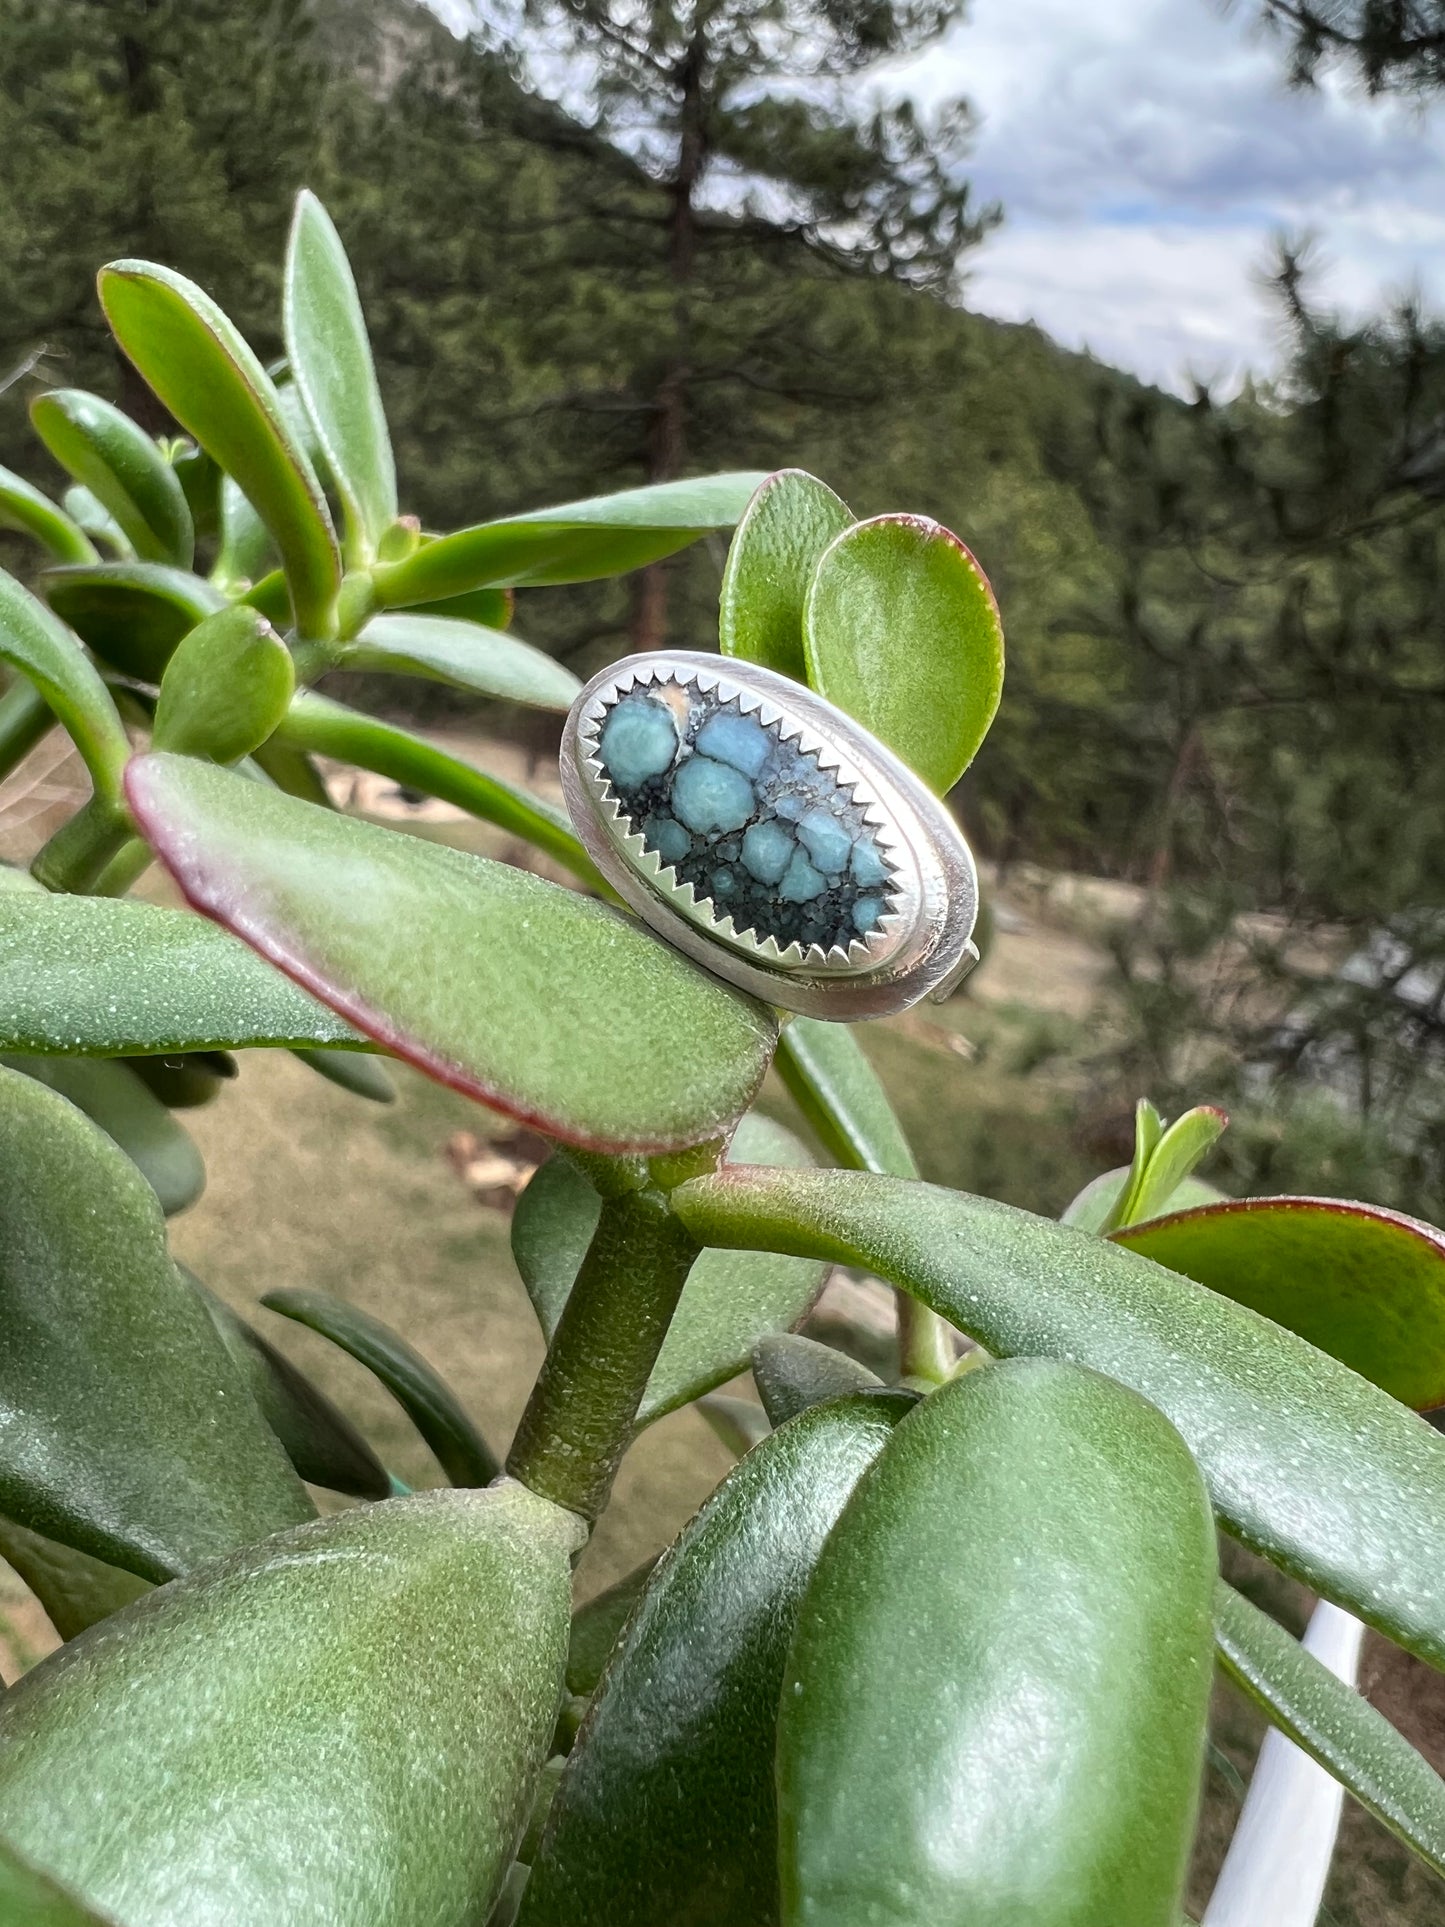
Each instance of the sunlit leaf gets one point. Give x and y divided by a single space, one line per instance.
331 365
842 1097
33 642
30 1899
228 685
25 508
902 632
464 655
207 376
577 542
774 554
350 911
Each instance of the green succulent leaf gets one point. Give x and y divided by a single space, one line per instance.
730 1301
321 1442
107 453
420 1390
97 521
492 608
1095 1206
226 688
996 1697
330 361
1307 1462
124 1430
358 1071
74 1589
665 1810
792 1373
577 542
348 910
464 655
269 1739
597 1626
132 614
1334 1724
112 1096
737 1423
111 977
207 376
903 633
30 1899
185 1080
1162 1165
246 552
1365 1284
318 726
842 1097
33 642
774 555
25 508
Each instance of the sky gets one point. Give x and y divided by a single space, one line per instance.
1147 153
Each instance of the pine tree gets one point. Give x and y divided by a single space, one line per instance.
1395 45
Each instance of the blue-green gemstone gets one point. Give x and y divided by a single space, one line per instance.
826 841
801 882
866 913
639 740
670 840
733 739
767 851
867 865
710 796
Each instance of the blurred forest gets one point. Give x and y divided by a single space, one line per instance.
1225 622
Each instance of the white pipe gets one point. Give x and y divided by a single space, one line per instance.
1279 1859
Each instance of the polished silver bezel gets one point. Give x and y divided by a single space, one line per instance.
922 945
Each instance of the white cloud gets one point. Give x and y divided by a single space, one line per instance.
1147 154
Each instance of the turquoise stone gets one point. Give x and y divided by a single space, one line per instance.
867 865
801 882
767 851
639 740
709 796
736 740
866 913
826 841
670 840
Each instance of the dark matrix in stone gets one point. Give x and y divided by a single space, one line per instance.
749 820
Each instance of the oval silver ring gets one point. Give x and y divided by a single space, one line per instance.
768 836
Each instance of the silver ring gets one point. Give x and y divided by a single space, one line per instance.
769 836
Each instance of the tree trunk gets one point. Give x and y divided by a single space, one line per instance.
667 435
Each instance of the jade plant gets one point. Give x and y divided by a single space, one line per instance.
935 1651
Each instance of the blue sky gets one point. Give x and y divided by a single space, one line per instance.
1147 152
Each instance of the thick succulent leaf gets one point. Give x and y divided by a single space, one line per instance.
1364 1284
463 654
330 362
197 362
792 1373
318 726
996 1697
228 685
842 1097
348 910
665 1812
577 542
344 1723
45 653
771 563
730 1301
358 1071
185 1080
124 1429
25 508
597 1626
1097 1203
321 1442
1333 1724
97 521
246 553
903 633
31 1899
108 453
492 608
1307 1462
110 977
74 1589
112 1096
25 719
421 1391
737 1423
132 614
